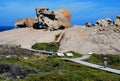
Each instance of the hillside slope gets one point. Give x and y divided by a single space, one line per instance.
27 37
91 39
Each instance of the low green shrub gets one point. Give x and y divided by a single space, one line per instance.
52 46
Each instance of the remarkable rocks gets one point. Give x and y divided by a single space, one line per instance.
102 38
46 19
52 20
64 17
24 22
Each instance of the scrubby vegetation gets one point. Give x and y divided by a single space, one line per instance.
15 51
52 46
52 69
113 60
59 70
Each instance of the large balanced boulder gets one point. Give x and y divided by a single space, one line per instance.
53 20
117 21
64 17
24 22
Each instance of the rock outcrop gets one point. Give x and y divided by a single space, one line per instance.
91 39
25 22
103 22
117 21
63 16
52 20
46 19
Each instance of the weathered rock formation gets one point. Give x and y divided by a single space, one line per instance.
24 22
63 16
53 20
106 22
117 21
103 22
46 19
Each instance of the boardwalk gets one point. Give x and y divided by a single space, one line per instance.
80 60
40 51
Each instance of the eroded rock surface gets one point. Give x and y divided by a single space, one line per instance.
52 20
46 19
24 22
91 39
103 22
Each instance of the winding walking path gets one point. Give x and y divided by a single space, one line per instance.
80 60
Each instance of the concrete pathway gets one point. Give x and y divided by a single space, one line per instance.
80 60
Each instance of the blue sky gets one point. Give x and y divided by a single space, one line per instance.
82 10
